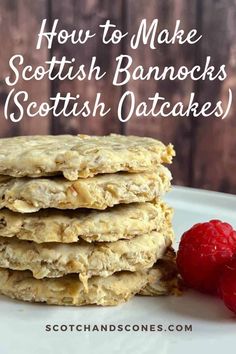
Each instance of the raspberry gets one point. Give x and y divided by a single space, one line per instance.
202 252
227 285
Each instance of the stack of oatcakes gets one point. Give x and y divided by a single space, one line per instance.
81 219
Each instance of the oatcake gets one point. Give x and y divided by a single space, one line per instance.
69 290
66 226
27 195
55 259
81 155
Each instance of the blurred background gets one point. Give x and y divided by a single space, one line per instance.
206 147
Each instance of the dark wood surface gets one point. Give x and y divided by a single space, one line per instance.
20 22
206 147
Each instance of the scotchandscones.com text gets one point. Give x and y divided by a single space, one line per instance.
94 328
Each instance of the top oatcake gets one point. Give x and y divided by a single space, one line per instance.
80 155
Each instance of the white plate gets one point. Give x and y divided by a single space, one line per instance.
22 325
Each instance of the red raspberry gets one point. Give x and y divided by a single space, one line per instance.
202 251
227 285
